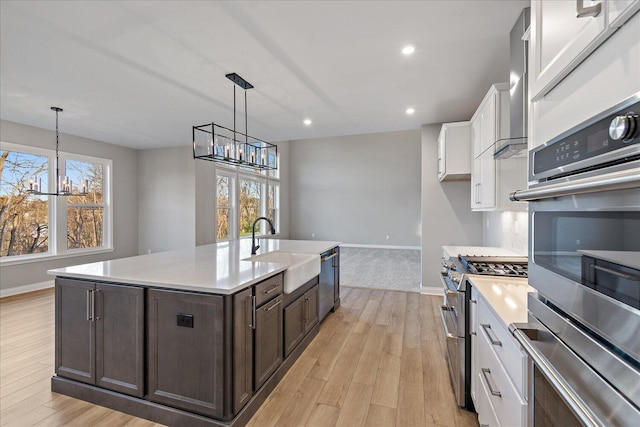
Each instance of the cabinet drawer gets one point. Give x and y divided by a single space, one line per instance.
505 400
504 346
486 415
268 289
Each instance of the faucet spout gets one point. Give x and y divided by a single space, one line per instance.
254 247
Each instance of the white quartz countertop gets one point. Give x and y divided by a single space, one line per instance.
507 297
218 268
453 251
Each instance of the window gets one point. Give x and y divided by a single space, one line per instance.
24 217
242 195
273 199
250 204
32 225
85 214
224 206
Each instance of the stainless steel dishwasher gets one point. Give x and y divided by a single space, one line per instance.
329 282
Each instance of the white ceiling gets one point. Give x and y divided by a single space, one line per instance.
141 73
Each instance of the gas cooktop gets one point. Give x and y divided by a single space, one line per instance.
495 265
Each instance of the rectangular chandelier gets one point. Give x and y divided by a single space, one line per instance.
220 144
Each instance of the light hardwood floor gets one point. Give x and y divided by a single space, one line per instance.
377 361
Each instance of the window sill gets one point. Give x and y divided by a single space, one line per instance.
48 257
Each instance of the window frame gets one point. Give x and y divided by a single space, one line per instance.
57 208
264 178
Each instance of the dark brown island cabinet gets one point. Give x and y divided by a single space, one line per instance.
177 357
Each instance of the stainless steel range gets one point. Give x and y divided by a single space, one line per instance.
454 312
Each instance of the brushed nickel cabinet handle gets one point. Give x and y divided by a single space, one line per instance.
89 305
486 371
275 288
273 306
583 12
253 312
96 303
493 340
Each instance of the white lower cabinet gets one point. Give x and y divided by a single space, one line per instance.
498 371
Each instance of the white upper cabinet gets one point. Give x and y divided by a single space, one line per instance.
574 73
492 180
564 33
454 152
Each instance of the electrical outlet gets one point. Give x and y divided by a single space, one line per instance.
185 320
313 234
387 237
148 251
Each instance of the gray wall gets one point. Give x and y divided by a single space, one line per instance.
125 206
446 212
357 189
177 200
166 201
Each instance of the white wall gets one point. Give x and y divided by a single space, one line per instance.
357 189
125 206
446 212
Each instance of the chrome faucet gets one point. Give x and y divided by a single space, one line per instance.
254 247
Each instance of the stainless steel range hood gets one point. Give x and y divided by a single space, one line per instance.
516 144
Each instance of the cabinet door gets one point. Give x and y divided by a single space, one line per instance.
476 166
268 340
242 349
75 330
621 10
311 313
294 325
561 39
441 153
119 323
190 380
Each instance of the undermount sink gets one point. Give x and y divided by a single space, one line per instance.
301 267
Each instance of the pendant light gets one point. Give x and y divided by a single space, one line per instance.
220 144
64 186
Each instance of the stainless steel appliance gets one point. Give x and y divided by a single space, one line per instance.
329 289
454 312
583 334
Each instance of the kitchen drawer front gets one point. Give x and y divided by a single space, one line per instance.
269 288
503 345
505 400
486 415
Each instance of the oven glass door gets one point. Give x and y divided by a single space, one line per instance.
598 249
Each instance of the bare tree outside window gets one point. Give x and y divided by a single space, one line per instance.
223 207
85 213
24 217
250 192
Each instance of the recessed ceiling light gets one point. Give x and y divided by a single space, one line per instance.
408 50
307 122
410 111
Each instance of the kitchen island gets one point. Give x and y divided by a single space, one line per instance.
196 336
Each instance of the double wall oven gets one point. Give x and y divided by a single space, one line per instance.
583 331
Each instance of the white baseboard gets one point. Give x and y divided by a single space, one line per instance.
16 290
355 245
427 290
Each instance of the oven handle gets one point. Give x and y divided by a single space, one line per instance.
574 401
614 181
444 322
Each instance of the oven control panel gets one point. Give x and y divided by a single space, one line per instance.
611 138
